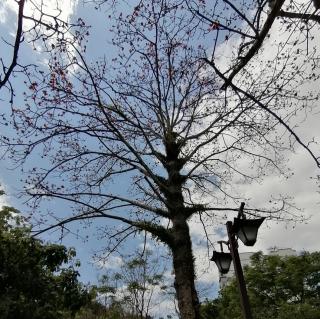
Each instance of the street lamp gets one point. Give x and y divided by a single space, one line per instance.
222 259
247 231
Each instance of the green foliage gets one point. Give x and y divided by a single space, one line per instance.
209 309
96 310
33 282
278 287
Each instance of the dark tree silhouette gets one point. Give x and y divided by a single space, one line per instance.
156 120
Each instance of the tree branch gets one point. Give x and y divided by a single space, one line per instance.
301 16
256 44
16 45
264 107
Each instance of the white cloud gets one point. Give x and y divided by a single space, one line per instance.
4 200
2 14
47 11
63 8
300 236
110 262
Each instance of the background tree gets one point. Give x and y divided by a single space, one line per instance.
34 283
278 287
96 310
137 286
155 115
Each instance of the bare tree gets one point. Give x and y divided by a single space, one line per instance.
137 284
156 115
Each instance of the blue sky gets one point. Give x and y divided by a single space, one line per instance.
301 187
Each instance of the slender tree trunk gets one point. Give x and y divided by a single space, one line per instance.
183 264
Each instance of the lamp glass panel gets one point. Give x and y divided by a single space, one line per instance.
247 230
222 260
248 235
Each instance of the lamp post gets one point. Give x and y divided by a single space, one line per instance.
247 231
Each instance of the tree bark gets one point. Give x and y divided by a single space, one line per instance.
183 264
181 246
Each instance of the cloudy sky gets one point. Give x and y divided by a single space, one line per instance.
301 186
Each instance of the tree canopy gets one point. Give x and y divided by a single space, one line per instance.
136 285
278 287
35 280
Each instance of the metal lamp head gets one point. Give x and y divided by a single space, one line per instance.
247 229
222 260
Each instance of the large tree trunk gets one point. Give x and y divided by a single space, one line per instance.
183 264
183 261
